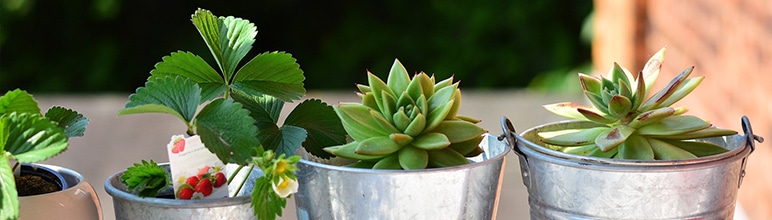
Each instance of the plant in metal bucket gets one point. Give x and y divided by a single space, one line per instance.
27 136
407 124
631 125
235 111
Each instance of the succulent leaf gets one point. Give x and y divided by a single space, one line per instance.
377 146
697 148
613 137
652 116
402 123
636 148
582 150
411 158
431 141
667 151
702 133
459 131
446 157
590 83
567 109
674 125
686 87
572 137
651 69
619 106
596 117
662 95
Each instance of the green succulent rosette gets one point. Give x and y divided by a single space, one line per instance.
407 124
630 125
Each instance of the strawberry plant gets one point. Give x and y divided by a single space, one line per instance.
27 136
235 110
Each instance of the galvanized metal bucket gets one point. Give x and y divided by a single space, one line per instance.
130 206
462 192
566 186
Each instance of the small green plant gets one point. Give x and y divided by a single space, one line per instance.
631 126
407 124
239 109
27 136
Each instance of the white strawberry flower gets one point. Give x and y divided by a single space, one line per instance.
285 187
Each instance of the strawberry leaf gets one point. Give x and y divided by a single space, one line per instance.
276 74
229 38
177 96
265 202
264 108
193 67
227 131
147 178
321 123
73 123
18 101
32 138
9 202
283 141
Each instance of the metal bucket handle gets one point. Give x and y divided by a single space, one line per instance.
751 140
509 134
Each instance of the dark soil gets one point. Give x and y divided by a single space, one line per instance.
28 185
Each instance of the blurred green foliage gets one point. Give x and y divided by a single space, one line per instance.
111 45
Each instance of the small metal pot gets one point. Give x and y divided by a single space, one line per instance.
567 186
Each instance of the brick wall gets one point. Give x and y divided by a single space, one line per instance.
728 41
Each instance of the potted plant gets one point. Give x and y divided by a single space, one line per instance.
631 155
28 137
235 113
411 156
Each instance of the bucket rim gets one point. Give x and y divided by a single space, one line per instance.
498 157
534 149
116 193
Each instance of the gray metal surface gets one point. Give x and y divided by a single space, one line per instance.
130 206
566 186
461 192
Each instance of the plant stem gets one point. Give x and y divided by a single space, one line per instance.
251 167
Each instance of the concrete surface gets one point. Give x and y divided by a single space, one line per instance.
112 143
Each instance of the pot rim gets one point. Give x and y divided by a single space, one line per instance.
531 149
485 161
162 202
71 178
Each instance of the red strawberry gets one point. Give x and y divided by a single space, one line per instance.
219 179
179 146
192 181
204 187
203 171
185 192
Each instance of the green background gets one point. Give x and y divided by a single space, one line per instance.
81 46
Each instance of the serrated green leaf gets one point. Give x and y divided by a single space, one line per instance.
146 178
322 124
227 131
636 148
283 141
32 138
229 38
73 123
193 67
666 151
431 141
171 95
265 202
9 200
398 79
272 73
18 101
5 130
262 108
411 158
674 125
